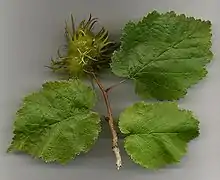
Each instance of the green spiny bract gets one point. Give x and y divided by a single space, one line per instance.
86 51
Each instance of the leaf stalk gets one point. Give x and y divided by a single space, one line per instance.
115 85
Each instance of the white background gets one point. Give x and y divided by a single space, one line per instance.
31 31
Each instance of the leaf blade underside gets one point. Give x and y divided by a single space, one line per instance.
157 134
164 54
56 123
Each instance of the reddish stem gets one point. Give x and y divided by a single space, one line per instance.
115 147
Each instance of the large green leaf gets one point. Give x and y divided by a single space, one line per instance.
164 54
56 123
157 134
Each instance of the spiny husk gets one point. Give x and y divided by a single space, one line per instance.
86 50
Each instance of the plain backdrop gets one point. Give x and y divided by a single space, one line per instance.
30 33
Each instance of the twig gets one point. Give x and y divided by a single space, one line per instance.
115 85
115 147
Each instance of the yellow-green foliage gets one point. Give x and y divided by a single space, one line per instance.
85 49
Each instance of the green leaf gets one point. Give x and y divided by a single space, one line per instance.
56 123
158 133
164 54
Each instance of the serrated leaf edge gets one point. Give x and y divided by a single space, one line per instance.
186 145
23 103
153 168
177 15
83 150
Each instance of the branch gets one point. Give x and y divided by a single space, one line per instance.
115 147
